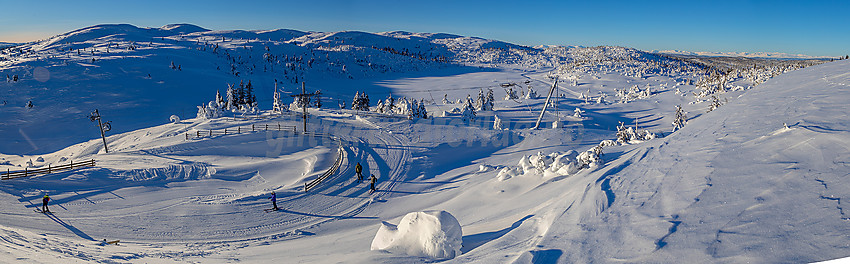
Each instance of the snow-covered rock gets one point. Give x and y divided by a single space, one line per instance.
432 234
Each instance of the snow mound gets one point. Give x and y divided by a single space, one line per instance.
432 234
554 164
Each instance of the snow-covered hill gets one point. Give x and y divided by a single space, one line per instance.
733 185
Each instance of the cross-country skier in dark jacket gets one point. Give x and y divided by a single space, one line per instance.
44 201
359 170
274 201
373 180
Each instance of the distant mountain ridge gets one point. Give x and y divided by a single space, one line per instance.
760 55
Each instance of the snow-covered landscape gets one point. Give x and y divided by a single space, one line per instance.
482 150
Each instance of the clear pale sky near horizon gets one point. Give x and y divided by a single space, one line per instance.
817 28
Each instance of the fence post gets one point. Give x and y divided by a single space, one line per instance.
239 130
197 134
278 126
267 127
211 133
252 127
187 135
48 168
225 131
72 164
25 171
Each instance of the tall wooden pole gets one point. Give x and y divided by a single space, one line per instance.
304 92
548 98
102 135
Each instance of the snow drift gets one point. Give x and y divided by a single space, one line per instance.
432 234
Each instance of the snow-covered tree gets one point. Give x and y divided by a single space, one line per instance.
578 113
317 99
446 99
389 104
218 99
360 102
468 111
379 107
341 104
531 94
209 111
231 101
29 104
422 112
715 103
479 104
680 119
490 99
277 102
497 123
510 94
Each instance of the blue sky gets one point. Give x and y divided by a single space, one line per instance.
819 28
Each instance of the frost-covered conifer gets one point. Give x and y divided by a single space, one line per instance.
218 99
490 99
231 102
680 119
479 104
497 123
715 103
468 111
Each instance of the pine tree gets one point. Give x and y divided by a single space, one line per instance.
277 104
249 94
680 119
389 104
232 101
468 111
240 95
423 113
497 123
219 100
490 99
715 103
479 104
318 99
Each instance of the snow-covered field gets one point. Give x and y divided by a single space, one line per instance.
755 175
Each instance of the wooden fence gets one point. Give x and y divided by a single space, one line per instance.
27 172
333 169
239 130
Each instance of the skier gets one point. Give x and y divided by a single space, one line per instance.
373 180
274 201
359 170
44 201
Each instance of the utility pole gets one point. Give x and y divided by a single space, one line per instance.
304 98
548 98
104 127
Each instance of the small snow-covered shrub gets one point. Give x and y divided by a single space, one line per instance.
210 111
628 135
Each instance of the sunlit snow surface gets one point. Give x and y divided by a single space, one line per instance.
734 185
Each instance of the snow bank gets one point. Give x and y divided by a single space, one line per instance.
554 164
432 234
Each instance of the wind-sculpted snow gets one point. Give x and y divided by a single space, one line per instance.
734 185
431 234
